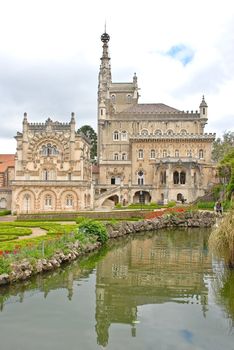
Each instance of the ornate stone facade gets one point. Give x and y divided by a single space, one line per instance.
148 152
7 163
52 169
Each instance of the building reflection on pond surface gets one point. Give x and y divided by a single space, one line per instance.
146 269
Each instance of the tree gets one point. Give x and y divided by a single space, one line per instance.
226 172
222 146
89 132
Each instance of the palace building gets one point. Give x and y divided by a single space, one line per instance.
148 152
52 169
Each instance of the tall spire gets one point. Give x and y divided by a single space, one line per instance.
105 68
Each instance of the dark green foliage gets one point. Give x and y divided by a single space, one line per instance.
5 212
226 172
222 146
89 132
4 265
95 228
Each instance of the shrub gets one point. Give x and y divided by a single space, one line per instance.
171 204
5 212
205 205
4 238
221 240
92 227
4 265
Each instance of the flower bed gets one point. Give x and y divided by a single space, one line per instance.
160 213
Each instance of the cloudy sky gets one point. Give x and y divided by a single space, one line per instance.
50 55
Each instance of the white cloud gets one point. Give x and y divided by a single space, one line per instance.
50 50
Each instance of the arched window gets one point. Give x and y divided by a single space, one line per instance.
124 156
3 203
49 150
48 201
182 177
183 132
164 153
116 156
124 135
189 153
203 110
144 132
113 98
88 199
170 132
46 174
69 200
179 197
177 153
140 154
27 202
116 135
140 177
201 154
129 98
158 132
195 178
163 177
176 177
152 154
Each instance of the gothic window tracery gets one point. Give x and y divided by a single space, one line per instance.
179 178
158 132
69 200
152 154
48 201
115 135
189 153
201 154
124 135
183 132
140 154
129 98
124 156
27 202
49 150
140 177
170 132
116 156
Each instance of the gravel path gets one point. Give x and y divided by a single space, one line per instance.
36 232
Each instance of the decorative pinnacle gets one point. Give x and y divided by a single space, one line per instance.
203 102
105 37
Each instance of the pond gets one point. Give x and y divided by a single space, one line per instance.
158 290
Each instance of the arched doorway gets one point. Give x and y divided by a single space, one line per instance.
142 197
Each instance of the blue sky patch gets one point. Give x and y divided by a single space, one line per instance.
181 53
187 335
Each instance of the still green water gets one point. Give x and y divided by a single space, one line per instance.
161 290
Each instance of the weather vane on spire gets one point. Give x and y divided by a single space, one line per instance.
105 37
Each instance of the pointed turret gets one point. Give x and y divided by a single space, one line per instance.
203 108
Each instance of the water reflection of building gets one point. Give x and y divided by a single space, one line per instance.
46 283
155 270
